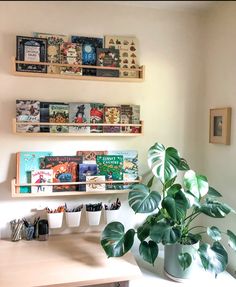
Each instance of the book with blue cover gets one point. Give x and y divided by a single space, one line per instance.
86 170
26 162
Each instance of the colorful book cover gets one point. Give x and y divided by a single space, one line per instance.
41 176
108 58
126 118
64 170
112 167
128 47
96 183
130 165
71 53
27 111
89 52
44 115
111 116
79 113
135 118
89 156
59 113
96 117
54 42
86 170
26 162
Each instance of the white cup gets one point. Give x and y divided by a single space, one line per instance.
112 215
93 217
73 218
55 219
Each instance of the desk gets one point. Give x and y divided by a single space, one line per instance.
63 261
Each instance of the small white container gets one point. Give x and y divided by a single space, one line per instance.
93 217
55 219
73 218
112 215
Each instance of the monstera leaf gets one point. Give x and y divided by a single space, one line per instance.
185 260
216 209
197 185
115 241
142 200
214 233
163 232
232 239
163 162
148 251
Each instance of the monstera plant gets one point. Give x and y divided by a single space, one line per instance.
171 214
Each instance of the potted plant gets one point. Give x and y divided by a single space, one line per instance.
171 216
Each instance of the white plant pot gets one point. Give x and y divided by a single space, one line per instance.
112 215
73 218
55 219
93 217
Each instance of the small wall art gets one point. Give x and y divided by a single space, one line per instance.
220 125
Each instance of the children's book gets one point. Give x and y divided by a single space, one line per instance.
64 170
79 113
108 58
59 113
111 116
86 170
135 118
89 156
27 111
54 42
89 52
96 183
126 118
41 176
96 117
26 162
112 167
44 115
71 53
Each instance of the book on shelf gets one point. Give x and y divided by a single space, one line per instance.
128 48
71 53
59 113
79 113
89 156
26 162
65 169
54 41
130 165
108 58
44 115
135 118
96 183
85 170
112 167
89 52
111 116
126 118
31 49
27 111
96 117
41 176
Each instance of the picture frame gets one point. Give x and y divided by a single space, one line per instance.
220 126
31 49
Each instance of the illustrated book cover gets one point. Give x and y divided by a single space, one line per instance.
79 113
54 42
31 49
128 48
126 118
44 115
135 118
112 167
86 170
65 169
108 58
89 156
27 111
26 162
111 116
59 113
96 117
71 53
96 183
89 52
41 176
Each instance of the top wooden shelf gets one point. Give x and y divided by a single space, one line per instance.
141 71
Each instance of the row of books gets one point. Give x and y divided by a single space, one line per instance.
79 113
108 51
93 166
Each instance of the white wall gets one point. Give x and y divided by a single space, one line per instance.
219 160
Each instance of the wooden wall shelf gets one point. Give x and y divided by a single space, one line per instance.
77 134
141 71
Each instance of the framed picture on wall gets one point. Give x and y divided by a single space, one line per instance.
220 125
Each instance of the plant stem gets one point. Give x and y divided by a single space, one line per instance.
197 227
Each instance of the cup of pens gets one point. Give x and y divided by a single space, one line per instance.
93 213
55 216
73 215
112 211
